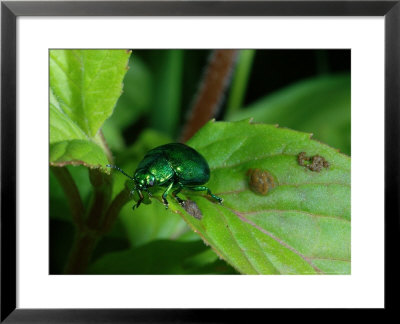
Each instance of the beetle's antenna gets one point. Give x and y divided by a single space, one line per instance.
120 170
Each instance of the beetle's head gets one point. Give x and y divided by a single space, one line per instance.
144 180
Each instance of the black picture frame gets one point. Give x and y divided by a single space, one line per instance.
10 10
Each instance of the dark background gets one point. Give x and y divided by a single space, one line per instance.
271 70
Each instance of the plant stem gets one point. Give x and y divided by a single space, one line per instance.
87 237
101 198
212 88
71 192
81 252
240 79
113 210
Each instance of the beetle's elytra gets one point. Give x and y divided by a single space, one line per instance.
175 166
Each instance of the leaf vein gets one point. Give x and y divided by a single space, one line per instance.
329 259
263 252
70 120
83 108
235 240
65 73
98 70
296 211
234 150
284 244
288 185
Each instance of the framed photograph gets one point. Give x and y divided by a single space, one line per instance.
162 158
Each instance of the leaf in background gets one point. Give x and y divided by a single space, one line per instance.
320 106
115 139
168 87
207 262
84 88
160 257
302 226
137 96
109 244
240 80
151 222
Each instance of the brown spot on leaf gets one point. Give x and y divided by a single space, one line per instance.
314 163
260 181
302 158
192 208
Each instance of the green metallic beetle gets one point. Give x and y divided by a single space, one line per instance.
174 166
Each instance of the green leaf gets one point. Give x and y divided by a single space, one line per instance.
109 244
115 140
61 125
207 262
168 89
240 80
137 96
320 106
84 88
150 223
159 257
301 226
77 152
87 84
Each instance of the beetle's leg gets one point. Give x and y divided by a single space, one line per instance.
165 194
204 188
139 201
148 192
174 194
